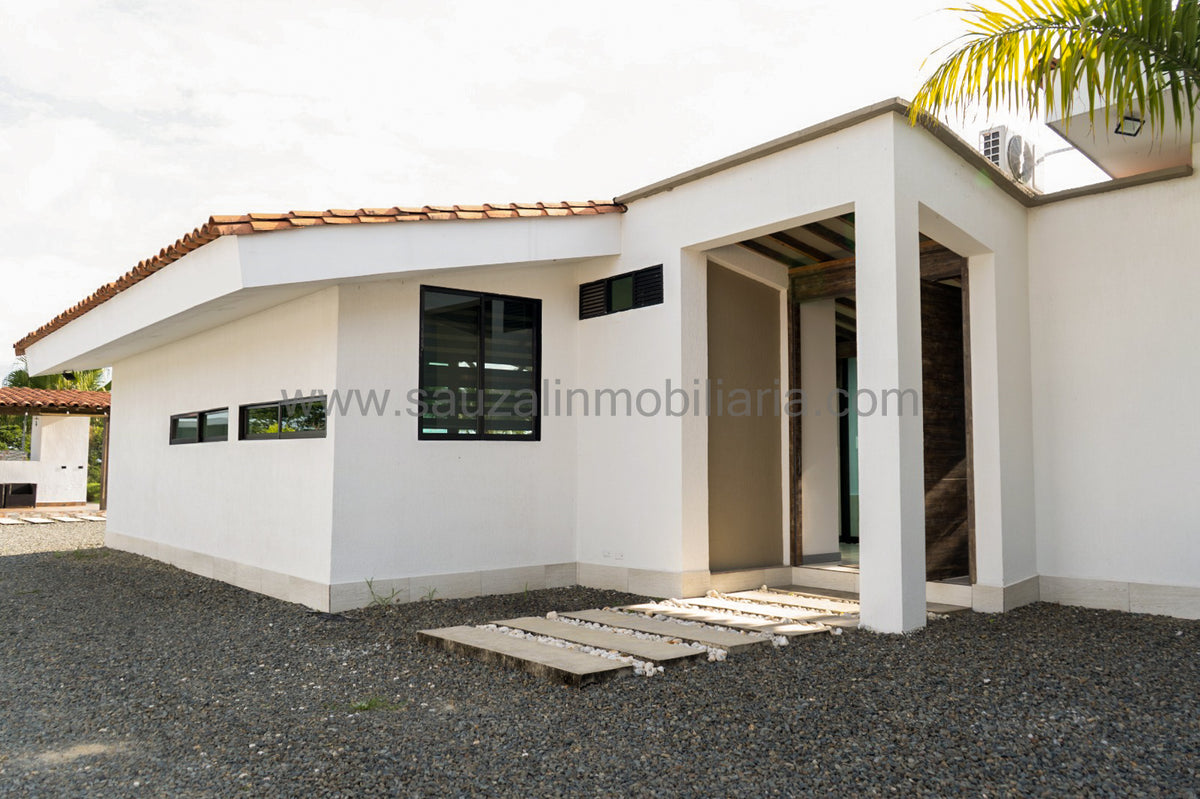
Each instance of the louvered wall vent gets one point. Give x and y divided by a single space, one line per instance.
621 292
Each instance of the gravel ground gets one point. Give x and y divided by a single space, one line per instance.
23 539
120 676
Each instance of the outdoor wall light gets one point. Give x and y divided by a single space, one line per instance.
1129 126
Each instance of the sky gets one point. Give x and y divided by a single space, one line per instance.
124 125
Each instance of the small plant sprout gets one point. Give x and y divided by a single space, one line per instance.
378 599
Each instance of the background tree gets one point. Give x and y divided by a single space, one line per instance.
1139 57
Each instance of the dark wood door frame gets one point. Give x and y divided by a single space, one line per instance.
836 279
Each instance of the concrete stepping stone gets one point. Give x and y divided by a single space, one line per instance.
561 665
803 615
733 621
780 611
65 519
641 648
36 520
7 520
90 518
798 601
729 640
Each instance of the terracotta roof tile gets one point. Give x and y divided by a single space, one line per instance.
258 222
41 400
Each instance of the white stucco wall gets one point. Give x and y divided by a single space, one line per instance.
1114 324
407 508
57 460
266 505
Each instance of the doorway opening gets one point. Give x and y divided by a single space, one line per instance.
824 526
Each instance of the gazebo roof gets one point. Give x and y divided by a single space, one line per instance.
43 400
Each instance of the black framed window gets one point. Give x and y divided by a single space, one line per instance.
480 366
302 417
200 426
621 292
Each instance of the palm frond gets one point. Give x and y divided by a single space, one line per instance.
1129 56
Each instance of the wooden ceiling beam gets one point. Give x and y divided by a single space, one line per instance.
774 255
835 279
831 236
802 248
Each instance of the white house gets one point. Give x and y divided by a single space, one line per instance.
504 387
55 471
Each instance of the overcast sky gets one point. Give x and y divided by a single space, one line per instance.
126 124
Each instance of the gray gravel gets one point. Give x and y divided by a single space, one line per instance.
23 539
120 676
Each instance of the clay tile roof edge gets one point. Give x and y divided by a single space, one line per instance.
54 400
219 225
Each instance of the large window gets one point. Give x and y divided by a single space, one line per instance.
302 417
193 428
480 366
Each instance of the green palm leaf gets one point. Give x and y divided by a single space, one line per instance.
1137 57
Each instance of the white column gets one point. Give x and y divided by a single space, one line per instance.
820 501
693 300
1001 427
891 452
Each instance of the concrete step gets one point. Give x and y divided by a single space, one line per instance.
777 611
778 597
561 665
931 605
722 619
642 648
729 640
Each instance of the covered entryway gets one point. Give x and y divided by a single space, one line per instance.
821 452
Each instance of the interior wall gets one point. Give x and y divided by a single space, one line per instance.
820 450
744 462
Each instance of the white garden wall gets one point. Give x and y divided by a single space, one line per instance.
57 460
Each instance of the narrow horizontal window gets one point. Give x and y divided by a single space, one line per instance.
185 428
193 428
214 425
621 292
303 417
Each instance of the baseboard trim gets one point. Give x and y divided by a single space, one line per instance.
456 585
1179 601
1002 598
309 593
1164 600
